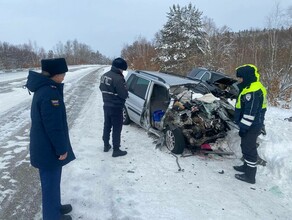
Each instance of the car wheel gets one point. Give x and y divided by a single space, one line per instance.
126 119
175 141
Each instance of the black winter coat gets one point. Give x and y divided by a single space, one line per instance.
113 88
49 136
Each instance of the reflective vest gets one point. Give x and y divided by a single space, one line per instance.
255 86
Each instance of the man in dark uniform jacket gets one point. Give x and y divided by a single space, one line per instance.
114 94
50 146
249 114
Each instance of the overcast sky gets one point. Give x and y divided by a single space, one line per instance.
107 25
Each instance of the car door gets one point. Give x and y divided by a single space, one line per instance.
135 104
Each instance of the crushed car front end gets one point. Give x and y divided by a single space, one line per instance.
199 118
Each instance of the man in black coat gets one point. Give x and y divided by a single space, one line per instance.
50 146
114 94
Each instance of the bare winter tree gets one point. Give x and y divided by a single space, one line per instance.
141 55
278 73
29 55
59 50
50 54
218 46
78 53
15 57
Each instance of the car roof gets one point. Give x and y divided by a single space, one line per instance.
164 78
215 76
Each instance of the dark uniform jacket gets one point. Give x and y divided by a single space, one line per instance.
251 104
49 136
113 88
251 112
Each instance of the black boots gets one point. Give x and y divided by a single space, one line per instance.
244 177
248 176
66 217
116 152
119 153
107 148
240 168
65 209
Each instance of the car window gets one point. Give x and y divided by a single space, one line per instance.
160 92
200 74
193 73
206 76
130 80
138 86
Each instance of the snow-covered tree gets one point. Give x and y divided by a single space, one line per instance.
180 42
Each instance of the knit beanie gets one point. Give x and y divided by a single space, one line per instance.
120 63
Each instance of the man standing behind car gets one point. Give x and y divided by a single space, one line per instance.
114 94
250 112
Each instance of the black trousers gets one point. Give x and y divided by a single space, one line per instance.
248 144
113 119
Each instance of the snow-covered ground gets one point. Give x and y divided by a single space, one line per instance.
147 183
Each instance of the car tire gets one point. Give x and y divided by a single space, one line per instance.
126 119
174 140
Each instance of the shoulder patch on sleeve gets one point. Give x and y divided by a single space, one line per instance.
248 97
55 102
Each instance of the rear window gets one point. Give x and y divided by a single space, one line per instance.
197 74
206 76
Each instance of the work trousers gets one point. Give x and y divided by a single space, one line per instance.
113 119
248 144
51 193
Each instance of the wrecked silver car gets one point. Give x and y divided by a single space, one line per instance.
183 113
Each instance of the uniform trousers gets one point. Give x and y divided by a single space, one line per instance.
113 119
51 193
248 144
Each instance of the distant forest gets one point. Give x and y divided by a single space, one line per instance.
187 40
29 55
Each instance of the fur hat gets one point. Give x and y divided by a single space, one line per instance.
248 74
243 71
54 66
120 63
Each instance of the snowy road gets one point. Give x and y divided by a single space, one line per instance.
145 184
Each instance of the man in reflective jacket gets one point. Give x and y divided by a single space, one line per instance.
114 94
50 147
250 109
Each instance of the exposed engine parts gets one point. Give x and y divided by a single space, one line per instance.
201 120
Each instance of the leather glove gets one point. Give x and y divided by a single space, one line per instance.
242 133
